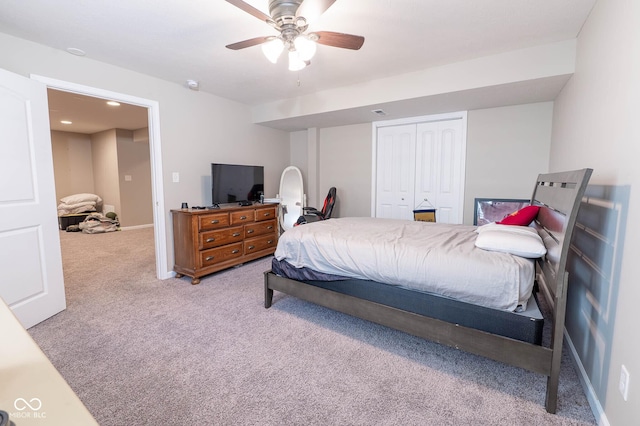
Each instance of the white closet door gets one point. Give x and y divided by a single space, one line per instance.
418 161
395 182
440 161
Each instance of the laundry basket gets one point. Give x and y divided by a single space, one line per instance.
425 212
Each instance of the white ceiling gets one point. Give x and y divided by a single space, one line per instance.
91 115
180 40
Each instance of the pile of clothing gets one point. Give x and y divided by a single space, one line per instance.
97 223
79 203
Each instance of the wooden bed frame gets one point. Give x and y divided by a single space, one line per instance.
559 195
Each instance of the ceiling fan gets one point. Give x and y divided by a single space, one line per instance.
291 18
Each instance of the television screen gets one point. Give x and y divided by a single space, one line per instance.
235 183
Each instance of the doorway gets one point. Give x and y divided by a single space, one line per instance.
157 192
101 148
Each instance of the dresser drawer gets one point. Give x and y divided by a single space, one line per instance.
220 254
261 243
213 221
259 228
210 239
266 213
242 217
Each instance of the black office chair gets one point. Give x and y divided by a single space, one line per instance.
311 214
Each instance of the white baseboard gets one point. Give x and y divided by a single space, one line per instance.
593 400
129 228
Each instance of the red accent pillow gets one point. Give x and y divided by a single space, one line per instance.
522 217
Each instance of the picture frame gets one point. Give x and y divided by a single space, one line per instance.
488 210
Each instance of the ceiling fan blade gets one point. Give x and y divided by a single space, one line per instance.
345 41
248 43
250 10
310 10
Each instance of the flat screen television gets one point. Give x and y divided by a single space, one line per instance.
236 183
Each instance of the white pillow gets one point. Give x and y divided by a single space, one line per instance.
520 243
80 198
512 229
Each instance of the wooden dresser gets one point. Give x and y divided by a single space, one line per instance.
207 241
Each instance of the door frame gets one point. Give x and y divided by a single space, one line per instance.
461 115
155 152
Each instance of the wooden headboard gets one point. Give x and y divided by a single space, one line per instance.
559 196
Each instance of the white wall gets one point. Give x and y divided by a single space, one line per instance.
299 154
506 150
116 155
104 147
595 125
345 162
136 202
72 164
551 61
196 128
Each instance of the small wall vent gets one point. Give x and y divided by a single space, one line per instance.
379 112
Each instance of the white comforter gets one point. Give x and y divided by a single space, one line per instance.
430 257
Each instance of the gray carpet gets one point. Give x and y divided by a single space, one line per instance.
141 351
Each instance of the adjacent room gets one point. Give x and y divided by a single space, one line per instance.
445 103
101 160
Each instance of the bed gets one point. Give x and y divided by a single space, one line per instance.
508 331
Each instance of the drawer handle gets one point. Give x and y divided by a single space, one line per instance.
215 222
270 242
266 214
270 227
250 231
236 234
208 258
210 240
251 247
243 217
235 251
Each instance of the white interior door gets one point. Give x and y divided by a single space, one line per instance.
31 263
395 182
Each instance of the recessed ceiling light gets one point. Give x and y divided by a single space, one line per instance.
113 103
75 51
193 84
66 122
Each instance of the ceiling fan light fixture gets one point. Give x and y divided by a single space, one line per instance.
272 49
295 63
305 47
